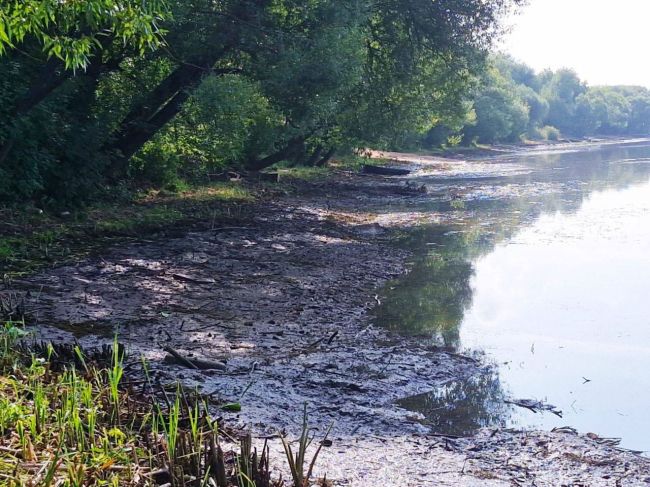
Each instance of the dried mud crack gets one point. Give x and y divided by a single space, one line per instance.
282 300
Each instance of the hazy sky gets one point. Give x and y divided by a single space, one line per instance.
605 41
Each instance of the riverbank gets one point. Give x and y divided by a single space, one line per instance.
484 152
282 296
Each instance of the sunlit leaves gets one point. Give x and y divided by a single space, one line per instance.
238 81
73 30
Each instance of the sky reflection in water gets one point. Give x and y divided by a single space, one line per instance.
553 285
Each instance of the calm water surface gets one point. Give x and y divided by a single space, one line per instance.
547 271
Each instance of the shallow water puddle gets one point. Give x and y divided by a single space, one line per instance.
553 287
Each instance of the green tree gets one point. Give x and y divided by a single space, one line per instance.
639 117
247 83
519 73
602 110
561 90
501 115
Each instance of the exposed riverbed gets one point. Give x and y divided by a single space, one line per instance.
353 295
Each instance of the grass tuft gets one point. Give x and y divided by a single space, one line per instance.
85 423
302 478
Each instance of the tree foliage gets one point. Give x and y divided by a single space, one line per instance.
99 92
511 102
501 111
75 31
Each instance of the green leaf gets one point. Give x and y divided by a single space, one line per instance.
3 34
233 407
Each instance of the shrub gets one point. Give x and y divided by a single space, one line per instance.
156 164
549 132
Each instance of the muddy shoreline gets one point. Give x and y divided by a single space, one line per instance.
284 299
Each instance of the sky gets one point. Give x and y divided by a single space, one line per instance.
606 42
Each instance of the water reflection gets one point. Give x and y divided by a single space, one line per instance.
433 297
475 283
460 408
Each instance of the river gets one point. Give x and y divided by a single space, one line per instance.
540 263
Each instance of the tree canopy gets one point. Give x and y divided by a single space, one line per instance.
105 91
511 102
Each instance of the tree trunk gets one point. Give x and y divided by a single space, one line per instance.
132 141
48 81
134 134
326 158
53 74
160 106
285 153
313 159
182 76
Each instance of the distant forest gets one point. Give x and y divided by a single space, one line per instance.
511 102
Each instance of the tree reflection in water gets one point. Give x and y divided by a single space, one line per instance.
463 407
433 297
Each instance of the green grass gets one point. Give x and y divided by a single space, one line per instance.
148 217
351 162
7 247
310 174
224 192
298 460
30 240
83 423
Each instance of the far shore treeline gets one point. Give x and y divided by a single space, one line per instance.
511 102
102 96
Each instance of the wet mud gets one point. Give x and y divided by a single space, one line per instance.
285 301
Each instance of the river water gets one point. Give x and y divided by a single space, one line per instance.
541 263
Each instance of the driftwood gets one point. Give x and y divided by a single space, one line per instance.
195 280
535 406
329 339
225 176
384 171
193 363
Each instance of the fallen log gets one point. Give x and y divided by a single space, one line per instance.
193 363
384 171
